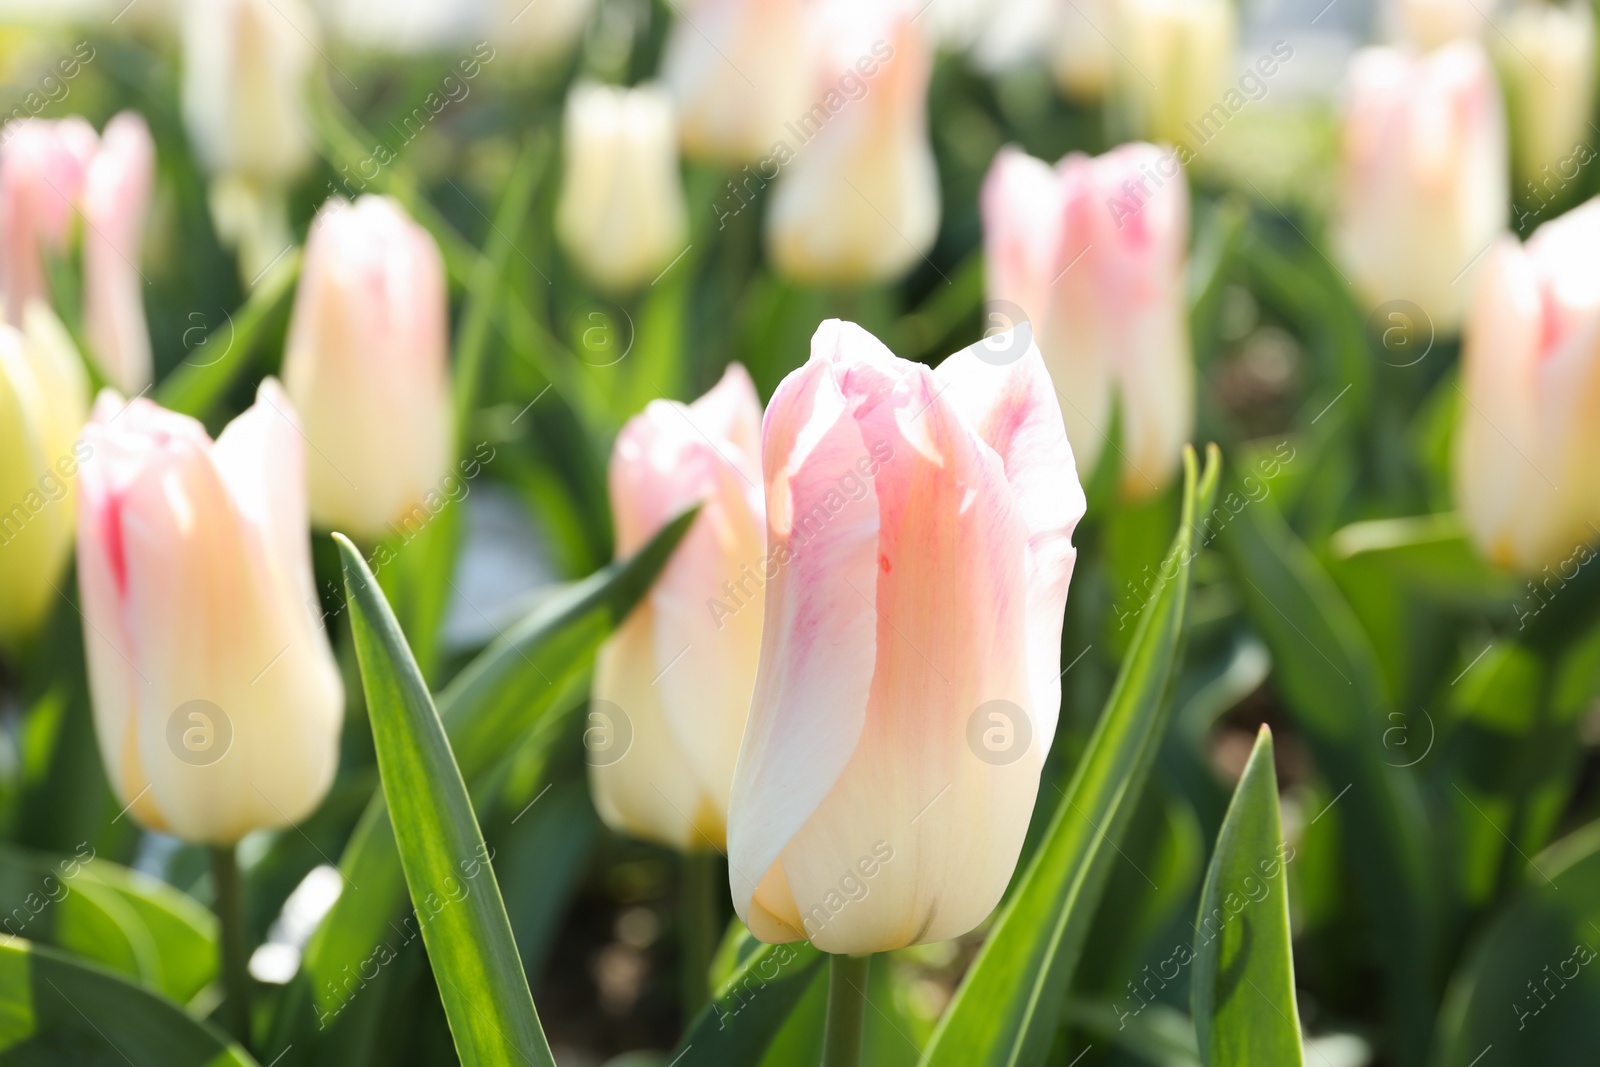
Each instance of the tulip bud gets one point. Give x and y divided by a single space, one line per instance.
538 32
920 523
367 365
1179 62
1081 56
672 686
859 199
43 400
1092 252
622 216
739 70
43 166
115 197
216 698
1529 430
1424 185
1547 64
246 65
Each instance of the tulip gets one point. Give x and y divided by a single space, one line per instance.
681 668
217 702
538 32
246 65
1081 56
43 400
398 26
1179 61
115 197
1547 62
738 70
1092 253
622 216
43 167
1430 24
50 172
921 526
1528 433
858 199
1423 191
367 367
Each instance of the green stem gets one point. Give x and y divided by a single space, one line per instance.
229 907
847 1008
703 888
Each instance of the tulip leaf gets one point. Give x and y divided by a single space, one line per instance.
1324 665
1530 985
519 683
1245 1013
183 934
214 362
54 1009
1430 553
446 863
751 1006
48 899
1007 1008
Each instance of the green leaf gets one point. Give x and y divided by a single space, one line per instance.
1325 667
182 932
518 684
54 1010
1530 985
1005 1011
48 899
1244 1003
215 363
748 1009
1429 553
446 863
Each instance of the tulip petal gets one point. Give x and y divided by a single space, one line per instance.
820 639
116 194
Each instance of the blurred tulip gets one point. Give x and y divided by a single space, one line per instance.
115 198
44 164
399 26
1424 185
1547 62
622 215
1081 54
739 70
1529 427
538 31
216 698
859 200
681 668
1430 24
1179 62
246 69
1092 252
44 397
367 365
909 682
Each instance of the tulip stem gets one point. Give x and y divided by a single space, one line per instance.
229 906
847 1008
703 887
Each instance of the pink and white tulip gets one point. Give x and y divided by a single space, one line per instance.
681 668
1093 251
216 698
1424 188
858 198
738 69
1529 425
367 365
52 171
921 522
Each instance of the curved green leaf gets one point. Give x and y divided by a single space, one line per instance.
520 683
1006 1010
446 863
54 1010
47 899
1245 1013
750 1007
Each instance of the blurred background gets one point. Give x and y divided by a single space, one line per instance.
587 282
